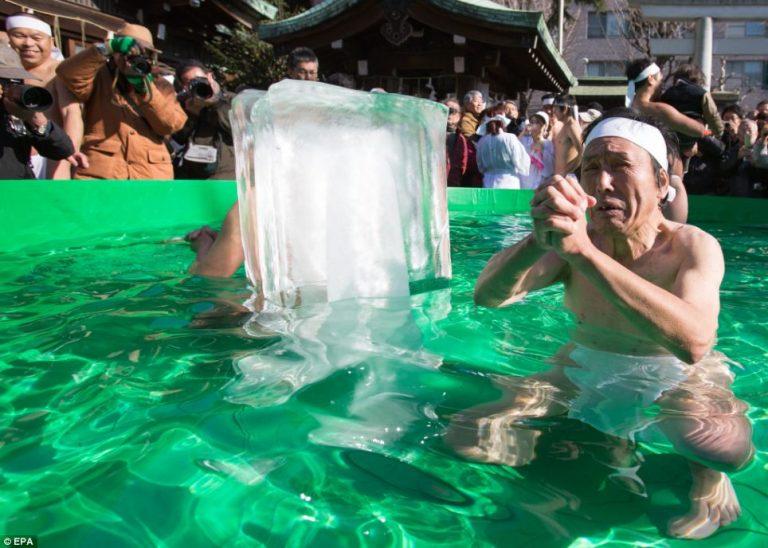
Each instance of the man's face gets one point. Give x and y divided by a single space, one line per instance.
762 108
620 175
196 72
475 105
510 110
560 113
549 109
733 119
33 46
305 70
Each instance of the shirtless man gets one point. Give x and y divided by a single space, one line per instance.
32 39
644 292
645 85
566 135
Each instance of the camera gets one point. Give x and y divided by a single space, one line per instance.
197 87
140 64
32 98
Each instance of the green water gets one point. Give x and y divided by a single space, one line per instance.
138 408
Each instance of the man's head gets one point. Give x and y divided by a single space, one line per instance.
31 38
143 51
762 107
637 70
548 104
303 64
732 116
510 110
454 114
625 167
563 107
193 70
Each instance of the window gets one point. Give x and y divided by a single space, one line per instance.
751 73
605 68
605 25
745 29
755 29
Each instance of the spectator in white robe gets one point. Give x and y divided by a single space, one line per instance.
540 149
501 157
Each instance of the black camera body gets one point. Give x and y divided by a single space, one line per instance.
198 87
32 98
140 64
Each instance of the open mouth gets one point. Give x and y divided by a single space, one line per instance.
609 207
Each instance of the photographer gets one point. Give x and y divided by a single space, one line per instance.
22 128
32 39
204 145
128 113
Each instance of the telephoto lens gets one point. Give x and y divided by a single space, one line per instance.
199 87
28 97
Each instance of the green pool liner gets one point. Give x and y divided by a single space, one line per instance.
48 213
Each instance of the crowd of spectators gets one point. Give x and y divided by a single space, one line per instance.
113 112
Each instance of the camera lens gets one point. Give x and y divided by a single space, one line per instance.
140 64
200 87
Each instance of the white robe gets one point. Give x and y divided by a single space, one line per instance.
502 160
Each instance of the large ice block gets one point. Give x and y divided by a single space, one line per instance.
342 192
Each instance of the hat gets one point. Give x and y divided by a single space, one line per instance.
139 33
10 65
483 128
590 115
543 115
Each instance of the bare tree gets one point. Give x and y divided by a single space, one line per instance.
639 32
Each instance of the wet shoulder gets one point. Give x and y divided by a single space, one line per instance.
688 241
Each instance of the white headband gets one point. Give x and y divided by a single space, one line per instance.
643 135
27 22
650 70
548 101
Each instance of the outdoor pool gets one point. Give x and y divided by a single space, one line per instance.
139 406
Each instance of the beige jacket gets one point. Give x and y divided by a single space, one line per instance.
123 134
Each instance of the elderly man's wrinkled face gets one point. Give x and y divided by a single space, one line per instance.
305 70
34 47
621 176
475 105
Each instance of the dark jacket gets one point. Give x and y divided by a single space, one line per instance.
14 162
211 128
695 102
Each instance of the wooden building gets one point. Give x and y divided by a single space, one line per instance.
428 47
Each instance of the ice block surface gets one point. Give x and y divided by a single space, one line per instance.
342 192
